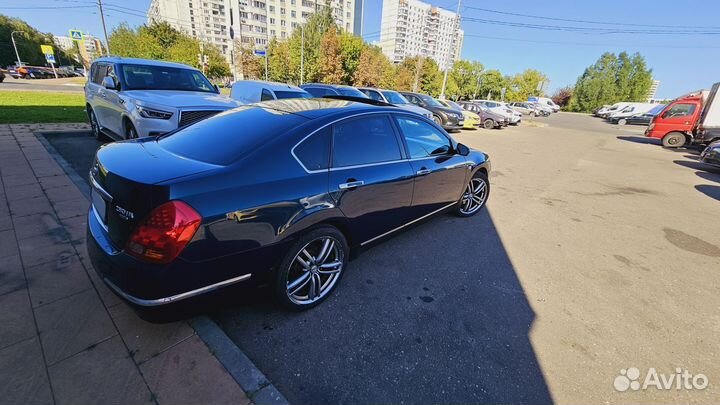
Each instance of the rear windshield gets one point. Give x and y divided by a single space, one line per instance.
228 136
292 94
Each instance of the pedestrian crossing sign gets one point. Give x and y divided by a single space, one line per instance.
76 35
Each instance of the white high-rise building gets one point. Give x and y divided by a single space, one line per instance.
252 22
653 89
413 28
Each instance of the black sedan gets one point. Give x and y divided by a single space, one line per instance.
711 154
448 118
638 119
280 193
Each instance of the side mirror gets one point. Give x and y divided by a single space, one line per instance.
109 83
462 150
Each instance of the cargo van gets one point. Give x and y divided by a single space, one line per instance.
630 110
690 119
545 102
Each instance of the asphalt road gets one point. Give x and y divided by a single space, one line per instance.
64 85
598 251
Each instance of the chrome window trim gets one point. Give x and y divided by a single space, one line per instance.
332 169
407 224
177 297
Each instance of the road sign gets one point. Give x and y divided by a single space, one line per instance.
47 49
259 52
76 35
50 58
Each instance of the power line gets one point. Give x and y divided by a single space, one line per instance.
591 44
587 21
43 7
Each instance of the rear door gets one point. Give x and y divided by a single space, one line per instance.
96 93
440 173
370 178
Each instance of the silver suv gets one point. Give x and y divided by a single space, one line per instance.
128 98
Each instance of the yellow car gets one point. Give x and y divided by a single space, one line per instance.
472 120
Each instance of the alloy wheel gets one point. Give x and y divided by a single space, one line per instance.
94 127
474 196
314 270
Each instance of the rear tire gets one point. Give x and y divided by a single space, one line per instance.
488 124
312 268
95 126
622 121
673 140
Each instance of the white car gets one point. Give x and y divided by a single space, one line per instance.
128 98
512 116
253 91
395 98
546 102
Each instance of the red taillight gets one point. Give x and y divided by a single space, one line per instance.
161 236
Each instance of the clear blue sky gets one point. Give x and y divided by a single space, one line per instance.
561 54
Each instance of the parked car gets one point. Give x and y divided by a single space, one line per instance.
501 108
322 90
530 109
691 119
488 119
711 154
2 76
638 118
448 118
604 112
254 91
129 98
395 98
287 203
631 109
471 119
545 102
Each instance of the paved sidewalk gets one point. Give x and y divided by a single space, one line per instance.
65 338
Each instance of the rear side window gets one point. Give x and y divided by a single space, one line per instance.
318 91
314 152
373 95
363 141
99 72
228 136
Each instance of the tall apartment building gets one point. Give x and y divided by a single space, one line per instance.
653 90
90 47
413 28
252 22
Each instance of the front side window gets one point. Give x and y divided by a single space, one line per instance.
430 101
394 97
423 139
314 152
318 91
363 141
373 95
680 110
147 77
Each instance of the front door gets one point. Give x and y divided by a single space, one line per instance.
370 179
440 174
679 117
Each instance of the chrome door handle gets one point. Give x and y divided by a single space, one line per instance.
352 184
423 172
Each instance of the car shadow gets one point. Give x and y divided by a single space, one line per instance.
713 174
709 190
638 139
434 315
697 165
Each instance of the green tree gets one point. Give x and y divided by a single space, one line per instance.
351 48
525 85
279 64
491 84
331 63
463 78
28 44
640 79
373 69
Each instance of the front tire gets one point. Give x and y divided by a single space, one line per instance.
673 140
488 124
475 196
312 268
130 131
622 121
437 120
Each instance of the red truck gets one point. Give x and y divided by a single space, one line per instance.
690 119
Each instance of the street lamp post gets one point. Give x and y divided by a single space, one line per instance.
15 46
302 53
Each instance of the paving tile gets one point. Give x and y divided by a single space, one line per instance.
144 339
72 208
5 222
34 225
188 373
24 191
11 181
16 319
44 248
52 281
8 245
30 206
104 375
12 277
59 194
72 324
55 181
48 170
23 379
16 168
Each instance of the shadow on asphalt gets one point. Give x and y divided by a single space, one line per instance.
434 315
708 190
639 139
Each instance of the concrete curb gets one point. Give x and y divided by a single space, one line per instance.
256 386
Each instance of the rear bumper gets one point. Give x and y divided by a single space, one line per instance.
148 285
710 157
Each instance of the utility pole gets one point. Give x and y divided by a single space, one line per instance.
418 67
447 68
477 87
302 53
15 46
102 17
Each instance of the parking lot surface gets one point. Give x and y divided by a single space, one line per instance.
598 251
